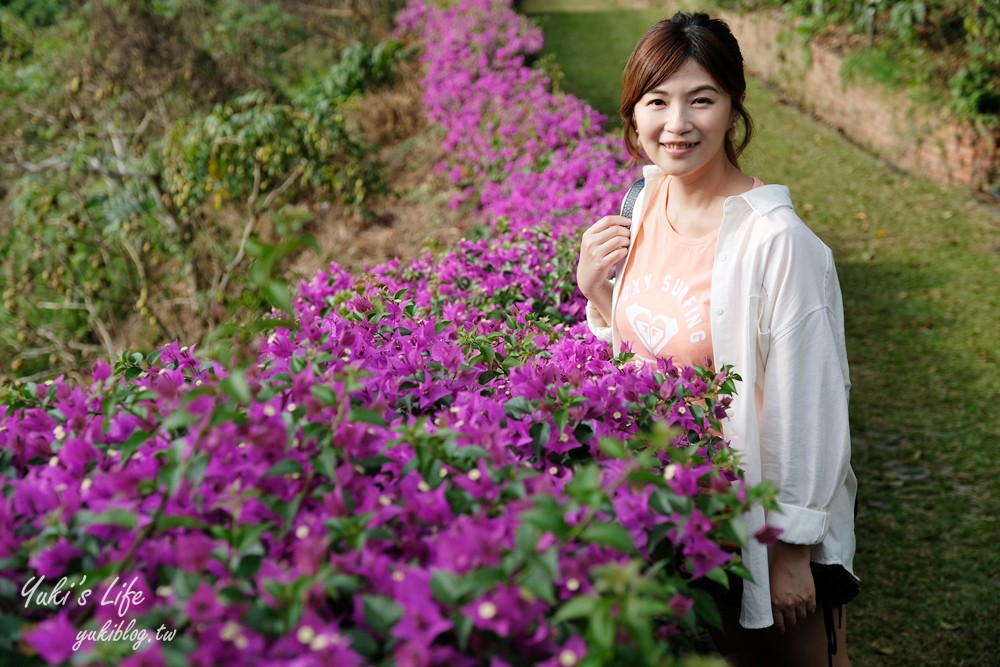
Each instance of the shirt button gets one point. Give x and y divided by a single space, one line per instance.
723 257
720 311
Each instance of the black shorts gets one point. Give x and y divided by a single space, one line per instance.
835 586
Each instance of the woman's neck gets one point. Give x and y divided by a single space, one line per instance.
695 202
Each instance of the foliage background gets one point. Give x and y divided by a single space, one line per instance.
152 151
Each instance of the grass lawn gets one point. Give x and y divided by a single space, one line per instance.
919 265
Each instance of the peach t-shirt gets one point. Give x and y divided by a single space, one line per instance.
663 307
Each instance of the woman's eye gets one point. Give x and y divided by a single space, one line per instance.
702 100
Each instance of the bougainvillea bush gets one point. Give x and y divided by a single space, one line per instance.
433 463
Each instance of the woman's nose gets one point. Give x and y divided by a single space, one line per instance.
676 120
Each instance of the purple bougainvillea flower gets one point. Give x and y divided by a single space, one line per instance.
569 654
704 555
53 561
101 371
412 654
681 604
53 638
193 549
151 656
768 535
75 454
203 606
422 620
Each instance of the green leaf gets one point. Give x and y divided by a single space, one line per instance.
614 448
609 534
284 467
113 517
582 606
179 521
298 364
184 584
235 386
324 394
644 477
602 628
178 419
538 579
326 464
463 628
486 376
381 613
362 642
585 487
447 586
276 589
480 581
638 621
365 416
249 565
518 407
666 502
277 295
546 519
248 535
526 540
232 595
719 576
735 529
561 417
705 607
541 433
138 437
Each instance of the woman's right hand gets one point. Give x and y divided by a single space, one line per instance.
604 244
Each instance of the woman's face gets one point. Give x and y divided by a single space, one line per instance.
682 123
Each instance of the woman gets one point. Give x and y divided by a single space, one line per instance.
715 268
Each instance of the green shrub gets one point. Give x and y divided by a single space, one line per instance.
110 241
36 13
958 40
252 147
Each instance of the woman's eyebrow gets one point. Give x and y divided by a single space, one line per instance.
694 91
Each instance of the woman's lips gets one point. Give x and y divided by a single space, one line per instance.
678 148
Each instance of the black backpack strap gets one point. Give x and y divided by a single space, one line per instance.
631 197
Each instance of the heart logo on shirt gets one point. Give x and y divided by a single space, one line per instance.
654 332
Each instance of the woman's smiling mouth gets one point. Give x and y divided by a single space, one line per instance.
679 146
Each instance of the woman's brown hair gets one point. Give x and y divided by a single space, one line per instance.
664 49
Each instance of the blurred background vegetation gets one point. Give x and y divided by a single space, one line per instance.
161 160
938 45
150 154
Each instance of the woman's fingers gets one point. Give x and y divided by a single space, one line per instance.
604 238
604 244
787 613
606 228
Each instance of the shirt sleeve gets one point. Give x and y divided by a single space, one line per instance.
600 327
805 432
